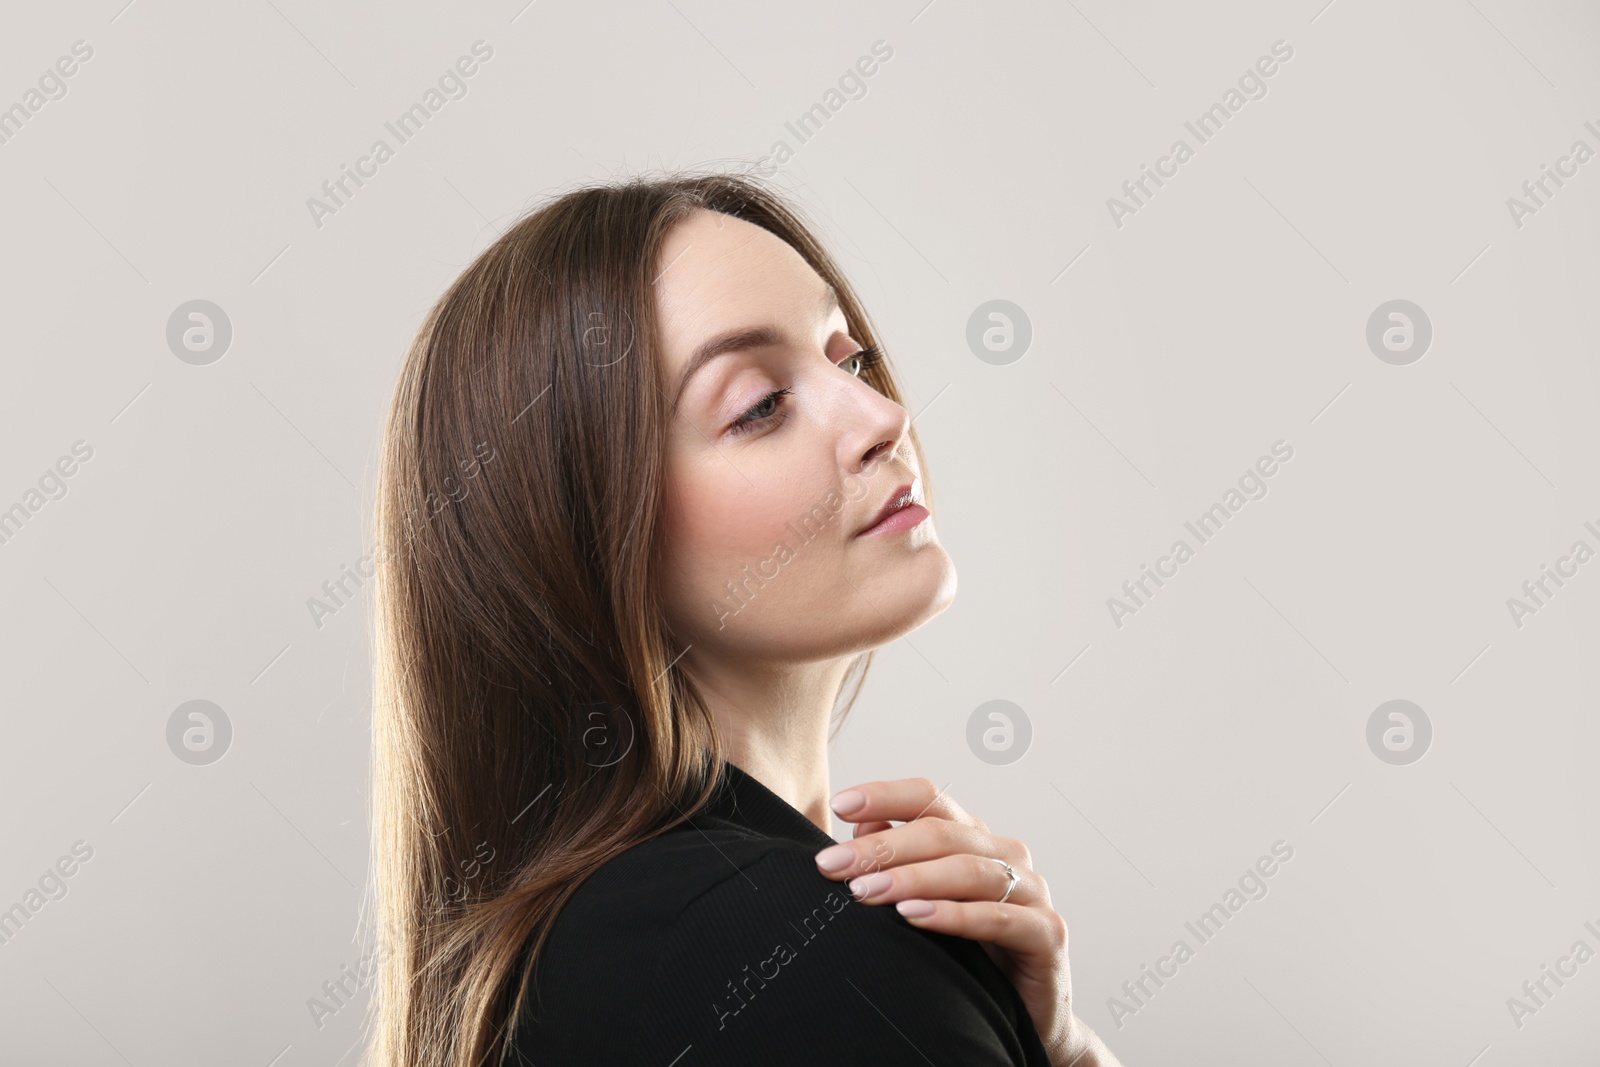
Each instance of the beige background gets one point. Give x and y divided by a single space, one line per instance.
1167 354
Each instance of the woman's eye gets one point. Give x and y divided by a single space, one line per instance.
764 411
867 357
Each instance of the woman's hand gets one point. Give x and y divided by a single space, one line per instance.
941 870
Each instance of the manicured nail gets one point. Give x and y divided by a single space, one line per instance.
846 802
836 858
915 909
871 885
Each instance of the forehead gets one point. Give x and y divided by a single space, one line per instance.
716 271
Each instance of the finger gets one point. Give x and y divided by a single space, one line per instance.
871 828
957 878
1030 932
901 800
915 842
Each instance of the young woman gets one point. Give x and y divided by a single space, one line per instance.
649 498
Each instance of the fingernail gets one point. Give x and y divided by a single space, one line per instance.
915 909
871 885
848 801
836 858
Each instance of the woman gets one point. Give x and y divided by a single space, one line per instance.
649 499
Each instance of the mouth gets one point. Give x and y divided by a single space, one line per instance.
902 511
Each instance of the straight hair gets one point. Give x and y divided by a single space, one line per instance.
530 718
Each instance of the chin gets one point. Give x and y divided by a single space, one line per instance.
945 591
923 588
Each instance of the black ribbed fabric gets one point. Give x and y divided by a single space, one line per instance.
720 942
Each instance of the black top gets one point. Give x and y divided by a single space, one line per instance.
720 942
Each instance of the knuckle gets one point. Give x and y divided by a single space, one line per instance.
876 857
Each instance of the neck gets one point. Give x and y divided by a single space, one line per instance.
774 726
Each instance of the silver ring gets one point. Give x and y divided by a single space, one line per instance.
1011 874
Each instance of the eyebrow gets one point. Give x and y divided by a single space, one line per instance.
738 340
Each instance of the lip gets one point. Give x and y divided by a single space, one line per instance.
902 511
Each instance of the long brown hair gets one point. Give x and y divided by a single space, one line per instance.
531 720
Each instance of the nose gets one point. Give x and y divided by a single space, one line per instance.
878 435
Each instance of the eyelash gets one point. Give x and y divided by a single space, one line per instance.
749 421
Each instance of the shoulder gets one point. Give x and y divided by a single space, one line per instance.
736 946
606 945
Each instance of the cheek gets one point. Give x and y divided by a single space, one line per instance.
720 522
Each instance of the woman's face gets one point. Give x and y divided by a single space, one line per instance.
767 496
